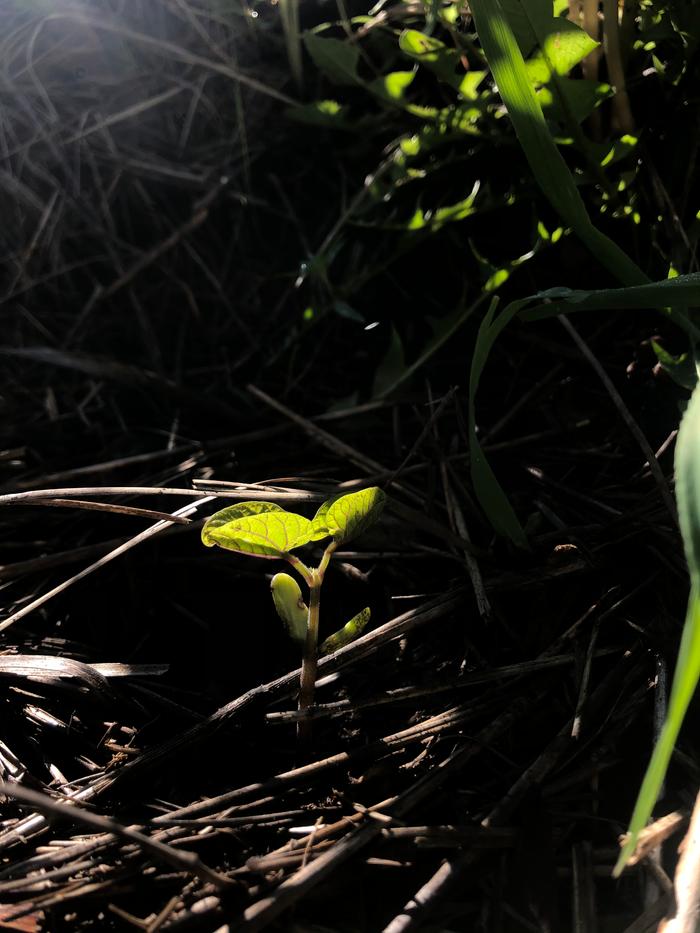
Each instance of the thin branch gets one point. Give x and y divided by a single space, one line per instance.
185 511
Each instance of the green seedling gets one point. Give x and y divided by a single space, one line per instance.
265 529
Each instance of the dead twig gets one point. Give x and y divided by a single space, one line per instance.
182 861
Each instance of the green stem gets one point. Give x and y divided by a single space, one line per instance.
302 569
327 554
309 661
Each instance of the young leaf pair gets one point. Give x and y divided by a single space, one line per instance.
265 529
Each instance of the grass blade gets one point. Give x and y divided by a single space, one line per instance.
687 673
546 162
673 296
289 14
488 490
684 682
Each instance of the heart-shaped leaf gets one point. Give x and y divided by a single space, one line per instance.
345 517
230 514
262 529
319 523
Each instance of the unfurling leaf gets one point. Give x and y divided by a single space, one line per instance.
262 529
347 633
290 605
346 517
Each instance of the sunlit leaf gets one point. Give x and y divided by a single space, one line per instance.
322 113
562 46
687 464
453 212
469 84
290 605
258 528
391 87
346 517
432 53
614 150
450 213
337 59
319 523
231 514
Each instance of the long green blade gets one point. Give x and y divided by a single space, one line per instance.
687 673
546 162
489 492
673 296
684 682
679 292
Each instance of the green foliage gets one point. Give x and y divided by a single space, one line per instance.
688 484
441 109
345 517
433 54
265 529
261 529
560 46
546 162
